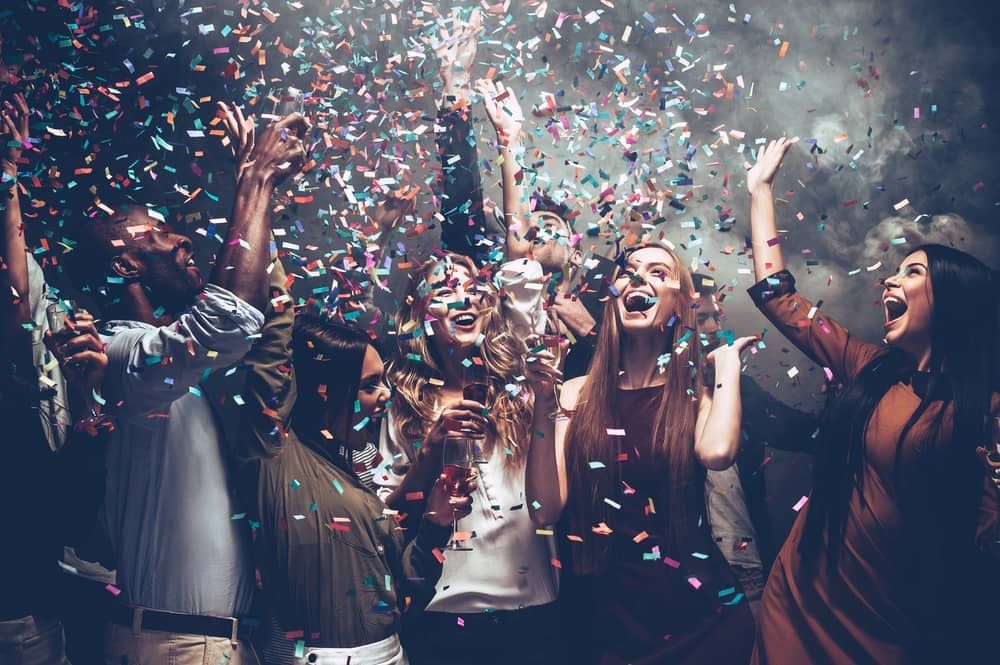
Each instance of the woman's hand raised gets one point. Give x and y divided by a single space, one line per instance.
760 177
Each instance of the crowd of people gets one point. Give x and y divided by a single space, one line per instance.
551 464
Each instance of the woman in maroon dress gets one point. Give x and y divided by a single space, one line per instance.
624 478
889 562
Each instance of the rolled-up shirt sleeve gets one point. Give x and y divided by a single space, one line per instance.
160 364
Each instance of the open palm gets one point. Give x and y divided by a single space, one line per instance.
761 175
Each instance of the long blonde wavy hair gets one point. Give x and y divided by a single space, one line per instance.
416 399
673 435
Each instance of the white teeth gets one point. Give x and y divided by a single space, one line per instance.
465 320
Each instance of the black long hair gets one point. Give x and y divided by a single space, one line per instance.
328 357
945 491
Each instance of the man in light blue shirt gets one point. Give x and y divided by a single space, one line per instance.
184 563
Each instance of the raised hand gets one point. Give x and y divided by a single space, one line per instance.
393 206
726 355
241 133
14 115
760 177
456 50
502 108
543 370
279 151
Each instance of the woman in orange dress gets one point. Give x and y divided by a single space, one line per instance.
890 560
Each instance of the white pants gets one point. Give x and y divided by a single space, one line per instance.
387 652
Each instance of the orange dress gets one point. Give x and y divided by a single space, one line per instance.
858 615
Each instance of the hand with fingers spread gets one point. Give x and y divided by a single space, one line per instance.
502 108
14 116
760 177
240 133
279 151
443 508
462 418
456 51
81 355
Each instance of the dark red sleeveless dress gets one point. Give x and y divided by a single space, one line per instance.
653 605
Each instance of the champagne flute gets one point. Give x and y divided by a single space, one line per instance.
58 314
459 455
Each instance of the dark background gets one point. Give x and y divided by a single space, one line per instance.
911 84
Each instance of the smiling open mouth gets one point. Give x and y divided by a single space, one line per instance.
465 320
894 308
638 302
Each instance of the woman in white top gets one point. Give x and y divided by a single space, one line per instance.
495 601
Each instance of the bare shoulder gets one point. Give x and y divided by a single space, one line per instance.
570 393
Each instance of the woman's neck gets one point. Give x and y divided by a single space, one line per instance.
639 361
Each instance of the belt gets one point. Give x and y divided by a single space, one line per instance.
142 618
536 615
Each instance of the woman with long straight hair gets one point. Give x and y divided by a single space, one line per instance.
623 476
495 599
890 560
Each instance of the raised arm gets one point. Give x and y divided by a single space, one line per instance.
462 188
263 164
15 311
504 111
546 480
269 383
767 256
815 334
720 411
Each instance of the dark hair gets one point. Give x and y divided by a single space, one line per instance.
106 220
963 371
542 202
328 357
704 285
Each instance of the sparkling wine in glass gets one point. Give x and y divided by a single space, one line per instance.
459 455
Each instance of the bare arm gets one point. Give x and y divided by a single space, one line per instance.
720 410
241 263
15 340
767 256
505 113
546 479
